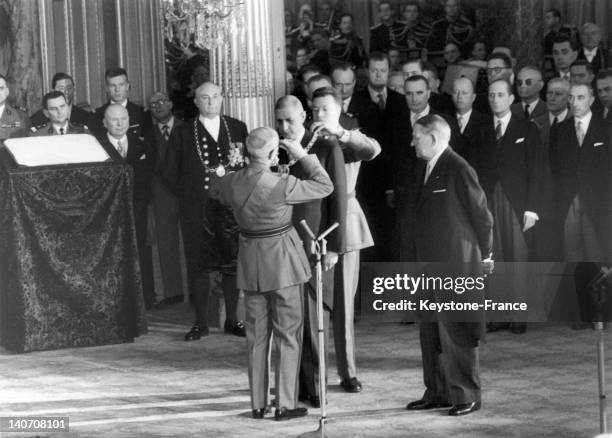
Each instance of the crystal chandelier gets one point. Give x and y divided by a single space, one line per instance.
211 22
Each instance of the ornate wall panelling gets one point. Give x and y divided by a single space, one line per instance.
84 37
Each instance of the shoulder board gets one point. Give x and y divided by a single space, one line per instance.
376 27
39 127
401 23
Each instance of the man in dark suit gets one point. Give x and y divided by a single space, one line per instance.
201 149
564 52
604 92
469 120
375 177
78 117
402 160
118 89
529 84
508 170
547 246
384 35
580 163
499 66
55 110
118 141
157 130
592 51
453 225
319 216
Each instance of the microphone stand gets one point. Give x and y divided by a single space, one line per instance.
319 249
598 288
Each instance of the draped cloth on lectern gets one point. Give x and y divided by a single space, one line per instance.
69 274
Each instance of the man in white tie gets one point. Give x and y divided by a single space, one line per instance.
564 53
119 142
591 51
529 84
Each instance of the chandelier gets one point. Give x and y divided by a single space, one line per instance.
210 22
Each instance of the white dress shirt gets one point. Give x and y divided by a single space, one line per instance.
346 103
115 143
212 126
416 116
432 163
374 94
57 128
504 122
589 54
584 122
465 119
560 117
169 123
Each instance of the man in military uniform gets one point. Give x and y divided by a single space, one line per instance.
78 117
118 88
263 204
346 46
55 110
384 35
13 122
453 28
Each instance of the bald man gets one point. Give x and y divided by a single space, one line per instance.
262 202
201 150
158 127
121 144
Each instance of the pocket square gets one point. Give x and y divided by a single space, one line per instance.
439 191
596 145
520 140
143 156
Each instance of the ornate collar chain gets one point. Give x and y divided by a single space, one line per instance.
202 149
307 148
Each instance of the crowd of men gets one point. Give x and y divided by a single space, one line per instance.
511 163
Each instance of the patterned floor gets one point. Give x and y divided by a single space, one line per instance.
540 384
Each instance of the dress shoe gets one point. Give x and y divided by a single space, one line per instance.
258 414
422 405
196 333
351 385
518 328
497 326
312 400
235 328
464 409
287 414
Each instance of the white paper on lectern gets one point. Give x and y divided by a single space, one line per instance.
56 149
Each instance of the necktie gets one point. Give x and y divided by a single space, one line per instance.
381 101
555 121
579 132
606 113
527 111
427 172
413 118
121 149
498 131
61 131
460 123
166 132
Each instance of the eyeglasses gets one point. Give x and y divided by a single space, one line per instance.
159 103
528 82
496 70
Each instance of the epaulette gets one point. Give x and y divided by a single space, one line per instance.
38 127
376 27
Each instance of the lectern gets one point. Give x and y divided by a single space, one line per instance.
69 273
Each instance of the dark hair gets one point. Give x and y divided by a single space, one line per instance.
604 73
328 91
343 66
51 95
587 65
113 72
386 3
418 61
508 85
500 55
346 14
316 78
60 76
555 12
417 78
309 68
560 39
428 66
378 56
